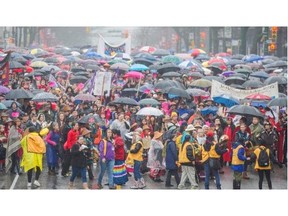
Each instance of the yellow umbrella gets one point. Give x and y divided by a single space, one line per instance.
36 51
38 64
205 64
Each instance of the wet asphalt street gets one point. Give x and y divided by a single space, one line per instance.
12 181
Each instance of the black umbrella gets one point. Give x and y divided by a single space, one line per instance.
8 103
78 79
276 64
217 78
281 101
195 74
168 67
44 97
77 69
178 92
92 67
15 64
233 62
36 73
252 84
18 94
260 74
127 92
51 60
267 61
149 101
164 84
202 57
20 59
245 110
160 53
171 74
82 73
234 80
50 68
273 79
125 101
90 118
239 75
143 61
237 56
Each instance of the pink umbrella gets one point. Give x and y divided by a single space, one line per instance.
148 49
134 74
258 97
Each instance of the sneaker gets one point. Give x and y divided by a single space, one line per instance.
29 186
36 183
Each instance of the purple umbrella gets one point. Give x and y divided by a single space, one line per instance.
4 90
228 73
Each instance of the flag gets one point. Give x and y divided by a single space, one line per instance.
4 69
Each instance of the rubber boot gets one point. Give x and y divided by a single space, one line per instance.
85 186
234 184
71 185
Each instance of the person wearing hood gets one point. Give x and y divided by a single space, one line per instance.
237 164
171 159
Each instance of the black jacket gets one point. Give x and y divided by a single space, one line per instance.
78 158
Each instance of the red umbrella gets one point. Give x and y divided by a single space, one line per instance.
17 70
29 69
134 74
223 54
215 60
258 96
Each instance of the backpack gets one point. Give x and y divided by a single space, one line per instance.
263 159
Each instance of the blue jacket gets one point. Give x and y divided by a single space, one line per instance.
241 156
171 156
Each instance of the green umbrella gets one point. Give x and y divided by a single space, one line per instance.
171 58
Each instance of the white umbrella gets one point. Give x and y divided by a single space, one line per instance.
149 111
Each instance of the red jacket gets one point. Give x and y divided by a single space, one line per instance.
71 139
119 148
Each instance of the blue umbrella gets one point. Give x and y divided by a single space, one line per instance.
208 110
92 54
227 100
138 67
253 58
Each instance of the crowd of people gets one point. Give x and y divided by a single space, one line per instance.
184 142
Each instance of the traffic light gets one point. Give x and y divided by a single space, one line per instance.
272 47
202 39
274 31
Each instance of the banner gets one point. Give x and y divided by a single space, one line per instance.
104 48
219 88
102 83
4 70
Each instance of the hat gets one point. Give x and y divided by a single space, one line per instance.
190 128
210 133
173 114
146 127
197 125
134 125
85 131
4 114
157 135
44 132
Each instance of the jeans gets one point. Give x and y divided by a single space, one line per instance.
207 176
109 164
76 171
137 174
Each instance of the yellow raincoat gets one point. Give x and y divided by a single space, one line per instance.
30 160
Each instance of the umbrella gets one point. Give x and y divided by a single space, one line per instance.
36 73
227 100
168 67
252 58
233 62
171 58
143 61
146 87
19 94
203 83
197 92
38 64
149 101
202 57
171 74
217 78
8 103
51 68
149 111
78 79
123 56
148 49
145 56
237 56
4 90
120 66
161 53
228 73
77 69
52 60
189 63
260 74
239 75
281 101
90 118
234 80
82 73
164 84
125 101
209 110
127 92
252 84
15 64
2 106
138 67
245 110
114 61
84 97
134 74
92 67
281 95
196 52
36 51
195 75
178 92
273 79
267 61
44 97
258 96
